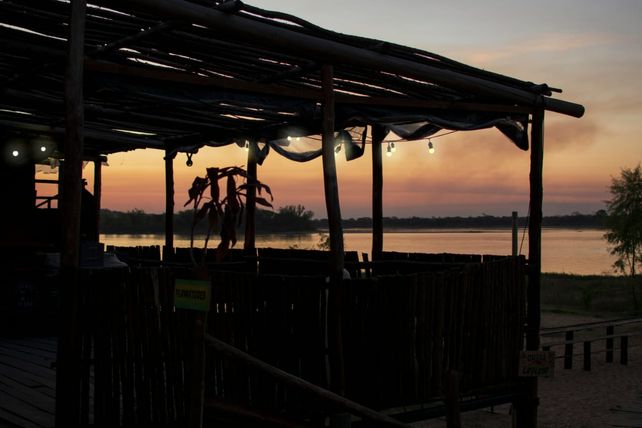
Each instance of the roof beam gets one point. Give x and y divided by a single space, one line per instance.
298 93
331 52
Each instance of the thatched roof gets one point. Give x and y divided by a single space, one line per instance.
177 74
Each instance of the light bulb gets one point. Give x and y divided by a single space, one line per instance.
431 148
389 151
393 148
247 146
43 149
15 153
289 138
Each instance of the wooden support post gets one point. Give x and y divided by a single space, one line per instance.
515 233
568 350
610 330
527 409
587 355
68 354
98 184
335 297
331 186
378 134
250 202
624 350
168 253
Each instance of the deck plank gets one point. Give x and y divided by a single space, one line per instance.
46 374
27 383
30 395
26 411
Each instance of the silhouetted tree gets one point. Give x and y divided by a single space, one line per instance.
624 220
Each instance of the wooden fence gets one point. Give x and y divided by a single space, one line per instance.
588 335
400 336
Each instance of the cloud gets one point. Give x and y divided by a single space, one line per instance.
561 135
545 44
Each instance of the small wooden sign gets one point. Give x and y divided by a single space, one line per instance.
192 294
536 363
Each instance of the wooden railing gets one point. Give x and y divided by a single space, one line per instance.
552 340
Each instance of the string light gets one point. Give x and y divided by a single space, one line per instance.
389 150
431 148
247 146
43 149
15 153
392 147
189 159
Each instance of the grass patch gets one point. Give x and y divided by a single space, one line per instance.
591 294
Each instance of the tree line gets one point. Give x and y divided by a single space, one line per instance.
296 218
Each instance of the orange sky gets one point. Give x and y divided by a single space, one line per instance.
590 49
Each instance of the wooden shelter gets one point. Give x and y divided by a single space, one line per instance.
108 76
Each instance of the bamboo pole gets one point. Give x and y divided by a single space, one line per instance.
300 385
250 202
169 206
328 51
527 410
98 187
68 354
378 134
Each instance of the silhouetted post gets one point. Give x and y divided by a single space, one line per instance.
610 330
250 201
337 378
515 234
587 355
527 410
68 354
378 134
98 184
169 206
330 174
624 350
568 349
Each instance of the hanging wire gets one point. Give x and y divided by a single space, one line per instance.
528 219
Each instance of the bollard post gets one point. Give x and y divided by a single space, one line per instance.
568 350
624 350
587 355
609 343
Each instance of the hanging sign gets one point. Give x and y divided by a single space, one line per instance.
536 363
192 294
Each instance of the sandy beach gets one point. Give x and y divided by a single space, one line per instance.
602 397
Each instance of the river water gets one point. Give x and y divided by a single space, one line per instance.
582 252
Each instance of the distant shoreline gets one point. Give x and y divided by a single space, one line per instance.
301 221
365 230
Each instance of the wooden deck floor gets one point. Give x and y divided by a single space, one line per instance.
27 382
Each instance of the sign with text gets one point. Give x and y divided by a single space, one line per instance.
192 294
536 363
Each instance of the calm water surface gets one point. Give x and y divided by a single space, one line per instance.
563 250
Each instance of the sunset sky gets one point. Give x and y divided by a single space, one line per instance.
590 49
